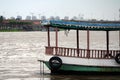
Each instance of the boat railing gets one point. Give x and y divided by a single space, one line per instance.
81 53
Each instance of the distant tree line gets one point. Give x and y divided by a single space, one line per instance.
17 25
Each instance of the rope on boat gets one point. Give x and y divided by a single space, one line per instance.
41 69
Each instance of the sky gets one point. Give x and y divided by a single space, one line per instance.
89 9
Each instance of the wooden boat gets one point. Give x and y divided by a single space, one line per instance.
66 60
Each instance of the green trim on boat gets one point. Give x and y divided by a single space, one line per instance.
68 67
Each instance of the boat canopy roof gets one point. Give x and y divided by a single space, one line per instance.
86 25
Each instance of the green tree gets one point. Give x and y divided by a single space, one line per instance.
1 19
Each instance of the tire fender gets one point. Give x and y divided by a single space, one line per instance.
117 58
55 63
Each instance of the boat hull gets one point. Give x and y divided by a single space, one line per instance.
81 69
82 65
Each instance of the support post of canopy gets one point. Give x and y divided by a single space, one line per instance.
119 39
77 42
48 31
88 42
107 41
56 35
56 30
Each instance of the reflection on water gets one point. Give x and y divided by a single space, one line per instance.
68 77
19 52
83 77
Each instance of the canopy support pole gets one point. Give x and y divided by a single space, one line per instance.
88 44
48 31
56 35
119 39
107 41
77 42
56 30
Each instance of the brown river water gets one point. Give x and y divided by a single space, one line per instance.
19 52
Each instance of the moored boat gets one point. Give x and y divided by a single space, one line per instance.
62 59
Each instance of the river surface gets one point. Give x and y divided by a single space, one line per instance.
19 52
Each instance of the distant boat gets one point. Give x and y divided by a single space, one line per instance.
66 60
